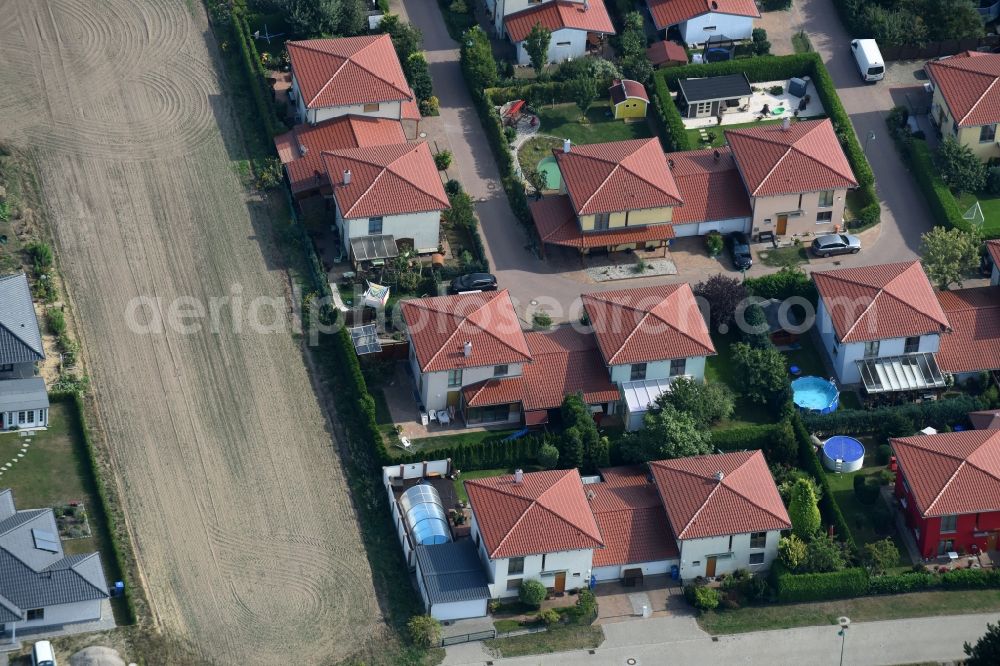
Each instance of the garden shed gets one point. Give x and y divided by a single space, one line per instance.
713 95
629 99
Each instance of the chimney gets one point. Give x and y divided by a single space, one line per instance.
467 348
586 5
786 124
347 176
670 163
591 495
566 145
303 149
718 156
719 476
518 476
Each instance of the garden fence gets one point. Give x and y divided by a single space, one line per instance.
468 638
938 49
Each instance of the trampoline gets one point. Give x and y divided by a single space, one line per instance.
548 166
843 454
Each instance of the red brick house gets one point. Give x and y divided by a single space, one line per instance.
949 487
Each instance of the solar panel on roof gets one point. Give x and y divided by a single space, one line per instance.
365 339
45 540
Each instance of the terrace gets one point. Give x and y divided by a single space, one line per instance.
779 106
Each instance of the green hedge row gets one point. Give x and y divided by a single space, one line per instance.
116 538
793 588
917 154
536 94
939 414
786 283
255 73
809 461
743 437
490 453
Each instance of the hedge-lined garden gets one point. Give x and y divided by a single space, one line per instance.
940 414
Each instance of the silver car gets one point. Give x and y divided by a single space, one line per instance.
824 246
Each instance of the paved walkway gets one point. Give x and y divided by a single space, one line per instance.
679 640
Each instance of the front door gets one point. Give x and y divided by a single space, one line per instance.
710 567
560 582
454 398
782 225
991 541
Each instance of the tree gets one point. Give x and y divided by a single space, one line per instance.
477 58
761 45
406 39
986 651
754 329
314 17
959 166
792 552
532 593
706 403
424 630
823 554
803 511
723 295
762 375
952 19
354 17
415 68
583 92
538 180
667 433
782 447
633 40
537 45
548 456
881 556
949 255
638 68
581 445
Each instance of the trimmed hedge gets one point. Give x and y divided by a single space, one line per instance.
784 284
940 414
828 507
490 453
843 584
917 154
745 437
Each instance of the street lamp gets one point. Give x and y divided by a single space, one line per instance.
871 135
844 623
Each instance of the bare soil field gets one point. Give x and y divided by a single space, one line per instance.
233 490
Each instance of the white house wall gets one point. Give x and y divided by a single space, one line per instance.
423 228
722 226
502 8
617 571
566 43
695 367
81 611
434 385
694 31
576 564
695 553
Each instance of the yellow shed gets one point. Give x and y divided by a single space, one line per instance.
629 99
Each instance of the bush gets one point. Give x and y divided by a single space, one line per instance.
548 456
786 283
792 551
723 294
882 454
993 180
960 168
458 7
430 106
866 492
938 414
442 160
40 255
701 597
738 438
424 631
775 5
844 584
713 243
56 321
532 593
541 320
510 134
549 616
586 606
880 556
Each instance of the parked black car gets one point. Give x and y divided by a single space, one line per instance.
473 282
739 250
824 246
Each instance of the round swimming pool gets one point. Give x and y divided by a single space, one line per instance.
815 394
843 454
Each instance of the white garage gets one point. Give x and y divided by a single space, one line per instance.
623 571
452 581
722 226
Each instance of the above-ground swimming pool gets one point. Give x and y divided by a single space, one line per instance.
548 166
843 454
815 394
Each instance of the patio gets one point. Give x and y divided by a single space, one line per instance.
617 603
758 99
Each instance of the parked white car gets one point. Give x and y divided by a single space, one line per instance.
868 59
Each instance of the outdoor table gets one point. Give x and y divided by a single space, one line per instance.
443 417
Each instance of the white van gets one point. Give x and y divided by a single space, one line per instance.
868 59
42 654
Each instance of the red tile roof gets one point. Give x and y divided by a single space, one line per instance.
440 326
348 70
974 341
993 247
699 505
557 224
546 513
671 12
880 302
563 362
663 52
631 518
952 472
648 324
385 180
557 15
969 85
305 171
985 420
617 176
710 187
806 157
624 89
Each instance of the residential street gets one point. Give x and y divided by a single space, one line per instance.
922 640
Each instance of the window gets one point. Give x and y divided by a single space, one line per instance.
871 348
677 366
36 614
756 558
22 417
500 370
543 562
455 377
374 226
514 584
824 216
826 199
949 524
563 43
638 372
515 565
371 108
987 133
7 367
912 345
703 108
758 540
602 221
31 416
710 28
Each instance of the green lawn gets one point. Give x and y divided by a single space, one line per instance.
806 357
477 474
557 639
719 368
563 121
534 149
990 206
505 626
858 515
863 609
718 135
793 255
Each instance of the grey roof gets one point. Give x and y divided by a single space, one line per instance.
712 88
9 612
27 393
6 504
452 572
20 339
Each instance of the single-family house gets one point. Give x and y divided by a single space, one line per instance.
881 326
348 76
573 23
796 175
384 191
723 511
24 402
988 419
993 249
713 96
697 20
40 585
973 345
534 526
614 196
300 149
666 53
712 192
966 100
947 485
628 98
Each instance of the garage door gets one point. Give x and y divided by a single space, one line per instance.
459 610
725 226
